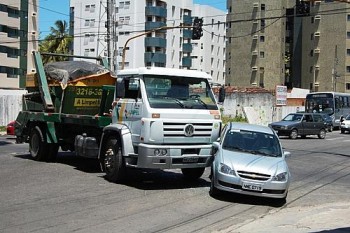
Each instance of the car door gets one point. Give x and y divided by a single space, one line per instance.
319 123
308 125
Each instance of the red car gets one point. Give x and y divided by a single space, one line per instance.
11 128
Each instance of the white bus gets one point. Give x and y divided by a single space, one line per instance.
335 104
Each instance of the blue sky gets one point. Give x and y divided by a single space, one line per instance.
52 10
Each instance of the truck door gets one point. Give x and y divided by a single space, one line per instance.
129 108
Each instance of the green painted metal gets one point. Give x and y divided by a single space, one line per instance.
51 133
42 81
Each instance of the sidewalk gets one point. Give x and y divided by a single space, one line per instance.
334 217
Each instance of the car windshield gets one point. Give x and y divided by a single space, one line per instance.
179 92
252 142
347 117
293 117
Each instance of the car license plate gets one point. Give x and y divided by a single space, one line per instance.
190 159
253 187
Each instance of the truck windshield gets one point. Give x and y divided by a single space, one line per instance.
179 92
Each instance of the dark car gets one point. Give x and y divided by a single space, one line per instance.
303 124
10 129
328 121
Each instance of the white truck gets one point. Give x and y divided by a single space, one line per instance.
162 118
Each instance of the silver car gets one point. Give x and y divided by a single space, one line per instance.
249 159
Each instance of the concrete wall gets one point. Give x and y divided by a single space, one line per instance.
10 105
257 108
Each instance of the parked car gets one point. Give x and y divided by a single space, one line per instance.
249 160
10 128
328 120
345 124
303 124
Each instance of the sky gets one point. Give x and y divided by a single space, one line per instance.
52 10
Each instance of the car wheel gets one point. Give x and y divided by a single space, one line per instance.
193 173
293 134
331 128
113 163
37 144
213 191
322 134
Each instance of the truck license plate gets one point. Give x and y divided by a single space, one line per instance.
253 187
190 159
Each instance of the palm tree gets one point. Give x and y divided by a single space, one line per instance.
58 41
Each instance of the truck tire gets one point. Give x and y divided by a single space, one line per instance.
37 145
293 134
113 163
193 173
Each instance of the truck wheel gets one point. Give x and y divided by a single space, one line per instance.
113 162
52 150
293 134
322 134
193 173
37 144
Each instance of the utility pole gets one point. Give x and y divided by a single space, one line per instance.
111 33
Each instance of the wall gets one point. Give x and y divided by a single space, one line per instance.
10 105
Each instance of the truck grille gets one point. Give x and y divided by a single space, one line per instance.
172 129
253 175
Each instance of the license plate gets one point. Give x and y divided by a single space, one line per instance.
190 159
252 187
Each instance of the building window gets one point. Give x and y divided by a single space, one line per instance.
348 17
262 54
347 86
348 52
262 23
127 4
348 69
92 8
262 38
87 7
262 7
348 35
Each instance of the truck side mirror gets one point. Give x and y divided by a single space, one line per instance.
120 88
221 94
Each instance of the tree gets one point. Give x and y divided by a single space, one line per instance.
58 41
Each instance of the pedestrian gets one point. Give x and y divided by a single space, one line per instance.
341 118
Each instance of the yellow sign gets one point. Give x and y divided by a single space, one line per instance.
86 102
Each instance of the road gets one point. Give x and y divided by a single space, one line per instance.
72 195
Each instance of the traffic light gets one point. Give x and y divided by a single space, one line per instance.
197 31
302 8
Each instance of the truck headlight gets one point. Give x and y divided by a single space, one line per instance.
280 177
227 170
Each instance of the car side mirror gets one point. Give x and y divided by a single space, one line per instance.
286 154
214 148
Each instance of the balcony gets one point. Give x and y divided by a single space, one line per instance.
153 25
186 62
155 57
156 11
155 42
187 48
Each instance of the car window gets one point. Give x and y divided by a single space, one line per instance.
308 118
318 118
293 117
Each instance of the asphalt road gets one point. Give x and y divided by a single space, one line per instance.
72 195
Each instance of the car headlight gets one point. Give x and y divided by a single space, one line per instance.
280 177
284 127
227 170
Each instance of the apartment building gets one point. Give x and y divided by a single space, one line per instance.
163 48
18 37
255 49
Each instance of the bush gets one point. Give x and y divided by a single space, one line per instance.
238 118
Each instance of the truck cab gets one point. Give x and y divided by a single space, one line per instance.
162 118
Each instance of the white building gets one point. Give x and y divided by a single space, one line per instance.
172 48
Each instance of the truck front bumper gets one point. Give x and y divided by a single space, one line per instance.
190 156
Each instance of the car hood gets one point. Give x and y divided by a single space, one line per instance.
284 123
256 163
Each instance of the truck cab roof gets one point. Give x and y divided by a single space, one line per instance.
165 71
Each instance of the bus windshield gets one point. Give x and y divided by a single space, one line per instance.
319 105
